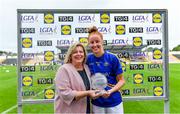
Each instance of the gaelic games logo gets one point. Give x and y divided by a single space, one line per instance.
157 18
48 55
27 42
48 18
105 18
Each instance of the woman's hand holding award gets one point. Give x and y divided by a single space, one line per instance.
99 82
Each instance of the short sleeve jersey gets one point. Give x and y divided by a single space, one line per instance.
109 65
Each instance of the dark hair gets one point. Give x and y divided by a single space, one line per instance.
94 30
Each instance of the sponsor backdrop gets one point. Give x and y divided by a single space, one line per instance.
136 38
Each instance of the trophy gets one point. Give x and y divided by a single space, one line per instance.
99 82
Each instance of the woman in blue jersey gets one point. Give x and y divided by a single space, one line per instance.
100 61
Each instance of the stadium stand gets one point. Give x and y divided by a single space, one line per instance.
125 53
37 59
174 57
10 61
2 59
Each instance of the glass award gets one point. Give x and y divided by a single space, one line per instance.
99 82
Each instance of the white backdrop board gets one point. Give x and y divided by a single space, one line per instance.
139 37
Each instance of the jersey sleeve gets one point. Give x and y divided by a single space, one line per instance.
117 68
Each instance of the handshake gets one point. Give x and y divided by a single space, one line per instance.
94 94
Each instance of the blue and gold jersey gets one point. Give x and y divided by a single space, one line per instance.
109 65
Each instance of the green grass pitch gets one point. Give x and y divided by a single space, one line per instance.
8 93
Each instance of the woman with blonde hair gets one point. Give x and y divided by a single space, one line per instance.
73 83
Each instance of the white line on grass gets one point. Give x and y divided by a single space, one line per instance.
9 109
16 105
41 92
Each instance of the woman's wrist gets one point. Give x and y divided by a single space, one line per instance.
110 91
88 92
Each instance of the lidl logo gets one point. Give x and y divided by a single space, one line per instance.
49 93
157 18
105 18
27 80
158 91
83 40
157 54
120 29
65 29
48 18
138 78
123 66
27 42
48 55
137 41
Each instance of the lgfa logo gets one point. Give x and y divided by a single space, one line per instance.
27 80
104 30
119 42
138 78
158 91
27 42
49 93
48 18
48 30
29 18
157 54
86 18
120 29
105 18
48 55
65 29
140 18
137 41
153 30
157 18
83 40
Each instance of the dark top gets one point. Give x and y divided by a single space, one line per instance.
87 85
109 65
